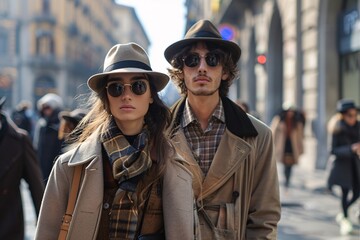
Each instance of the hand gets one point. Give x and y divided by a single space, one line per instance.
356 148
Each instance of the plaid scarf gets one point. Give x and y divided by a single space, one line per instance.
128 162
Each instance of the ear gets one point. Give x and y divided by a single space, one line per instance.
151 100
224 76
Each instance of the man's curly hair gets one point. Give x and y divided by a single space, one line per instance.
229 66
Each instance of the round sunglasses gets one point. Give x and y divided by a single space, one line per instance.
116 89
193 59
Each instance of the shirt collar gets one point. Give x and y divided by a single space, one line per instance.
189 116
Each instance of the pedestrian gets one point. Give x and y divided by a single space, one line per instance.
46 141
288 131
345 170
18 163
229 152
68 122
134 185
21 118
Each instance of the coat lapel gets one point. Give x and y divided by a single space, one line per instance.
232 151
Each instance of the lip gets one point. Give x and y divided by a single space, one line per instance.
127 107
202 79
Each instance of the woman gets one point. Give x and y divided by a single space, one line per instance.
288 131
133 185
345 171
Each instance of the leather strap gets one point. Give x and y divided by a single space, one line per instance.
71 203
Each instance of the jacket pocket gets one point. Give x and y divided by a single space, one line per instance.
223 228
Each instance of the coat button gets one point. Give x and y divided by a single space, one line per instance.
106 205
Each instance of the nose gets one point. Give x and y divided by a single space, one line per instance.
202 65
127 91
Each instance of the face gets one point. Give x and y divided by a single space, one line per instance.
201 77
129 99
350 117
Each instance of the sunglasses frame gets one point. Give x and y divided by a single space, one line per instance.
198 58
123 85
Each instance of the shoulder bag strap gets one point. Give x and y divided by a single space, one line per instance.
71 203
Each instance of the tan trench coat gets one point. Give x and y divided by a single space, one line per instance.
178 199
278 128
240 193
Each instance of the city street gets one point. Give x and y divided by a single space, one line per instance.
308 211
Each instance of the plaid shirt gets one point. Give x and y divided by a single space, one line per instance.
203 143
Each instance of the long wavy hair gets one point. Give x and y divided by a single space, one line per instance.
157 120
229 66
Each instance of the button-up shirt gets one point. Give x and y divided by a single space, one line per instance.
203 143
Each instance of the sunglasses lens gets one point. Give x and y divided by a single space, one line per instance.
138 87
115 89
192 60
212 59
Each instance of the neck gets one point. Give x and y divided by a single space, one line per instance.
130 128
203 107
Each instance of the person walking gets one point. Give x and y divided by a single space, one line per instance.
46 141
17 162
345 169
21 118
288 131
134 185
68 122
229 153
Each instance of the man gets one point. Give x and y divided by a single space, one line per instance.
17 162
46 140
229 152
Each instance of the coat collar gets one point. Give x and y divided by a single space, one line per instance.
236 120
87 151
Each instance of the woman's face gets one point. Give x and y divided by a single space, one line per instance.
350 117
129 99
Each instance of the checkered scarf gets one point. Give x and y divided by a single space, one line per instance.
128 163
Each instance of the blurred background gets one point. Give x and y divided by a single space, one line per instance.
303 53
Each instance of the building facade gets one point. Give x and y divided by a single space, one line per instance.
54 46
310 58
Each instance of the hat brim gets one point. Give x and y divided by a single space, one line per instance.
176 47
159 80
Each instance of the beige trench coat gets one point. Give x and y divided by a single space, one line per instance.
240 193
178 199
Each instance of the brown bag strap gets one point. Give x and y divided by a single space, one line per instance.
71 203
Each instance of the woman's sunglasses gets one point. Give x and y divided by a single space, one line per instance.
116 89
193 59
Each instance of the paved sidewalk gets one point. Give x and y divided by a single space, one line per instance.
308 210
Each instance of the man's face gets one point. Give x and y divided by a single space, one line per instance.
202 79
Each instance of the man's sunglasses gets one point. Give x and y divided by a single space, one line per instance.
116 89
193 59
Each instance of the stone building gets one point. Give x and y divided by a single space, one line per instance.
312 53
54 46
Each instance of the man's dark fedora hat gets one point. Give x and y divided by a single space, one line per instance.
345 104
203 30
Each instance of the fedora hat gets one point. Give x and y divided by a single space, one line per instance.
74 116
345 104
127 58
203 30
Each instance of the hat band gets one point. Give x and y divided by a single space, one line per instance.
206 34
127 64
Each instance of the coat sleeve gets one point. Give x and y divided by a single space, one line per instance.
32 173
54 202
265 208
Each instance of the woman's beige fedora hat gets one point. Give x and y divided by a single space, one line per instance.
127 58
203 30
